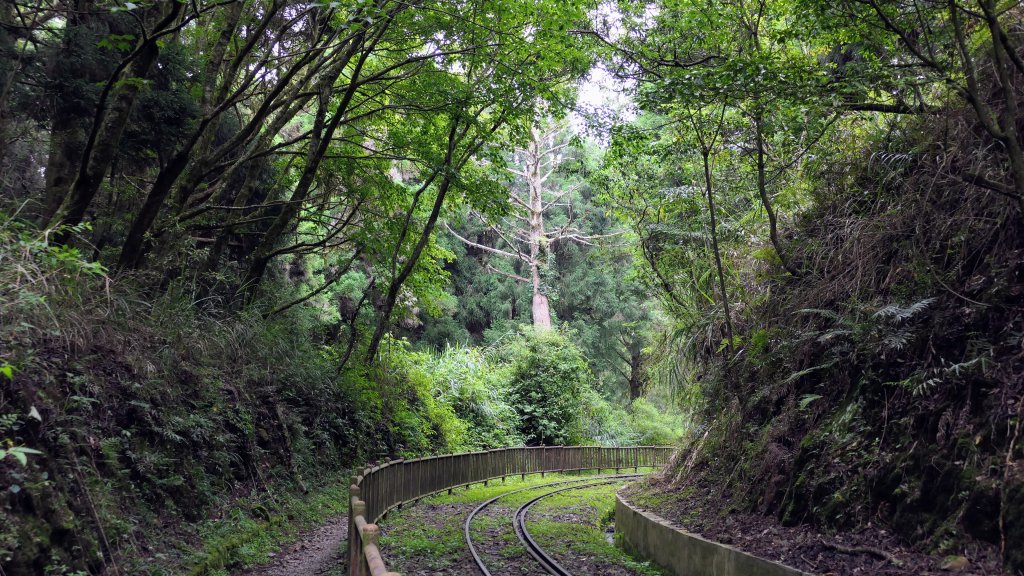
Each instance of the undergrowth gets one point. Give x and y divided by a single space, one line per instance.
131 420
885 384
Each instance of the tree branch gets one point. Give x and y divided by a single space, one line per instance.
515 277
480 246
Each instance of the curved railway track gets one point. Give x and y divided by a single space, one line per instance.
549 564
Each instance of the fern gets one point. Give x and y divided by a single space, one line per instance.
897 340
797 375
899 314
926 387
832 334
806 400
890 160
965 366
830 314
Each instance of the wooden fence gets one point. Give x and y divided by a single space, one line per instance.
383 487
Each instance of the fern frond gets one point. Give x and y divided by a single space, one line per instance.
830 314
925 388
896 340
797 375
899 313
966 366
834 333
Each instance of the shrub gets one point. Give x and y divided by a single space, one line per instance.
639 424
548 382
450 401
476 387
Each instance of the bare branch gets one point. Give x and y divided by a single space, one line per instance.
480 246
515 277
587 240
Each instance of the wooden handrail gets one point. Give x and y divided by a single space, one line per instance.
384 486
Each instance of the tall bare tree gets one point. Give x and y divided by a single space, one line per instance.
523 235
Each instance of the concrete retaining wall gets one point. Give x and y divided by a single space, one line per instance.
654 538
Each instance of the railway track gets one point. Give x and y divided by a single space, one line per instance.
549 564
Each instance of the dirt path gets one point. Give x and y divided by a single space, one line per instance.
319 552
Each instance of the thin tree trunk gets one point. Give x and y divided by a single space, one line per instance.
396 283
319 143
132 248
1009 115
705 156
762 190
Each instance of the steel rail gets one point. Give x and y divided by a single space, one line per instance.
538 554
550 565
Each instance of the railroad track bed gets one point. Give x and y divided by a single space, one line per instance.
566 519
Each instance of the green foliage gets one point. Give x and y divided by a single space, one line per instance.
871 322
154 411
450 401
548 381
476 386
641 423
19 453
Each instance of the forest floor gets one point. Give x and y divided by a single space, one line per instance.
868 550
317 552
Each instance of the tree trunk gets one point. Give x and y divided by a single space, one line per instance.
448 169
762 190
131 250
705 155
9 64
102 145
68 131
67 138
1009 116
410 264
540 309
637 378
319 143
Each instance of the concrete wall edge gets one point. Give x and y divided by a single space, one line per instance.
651 537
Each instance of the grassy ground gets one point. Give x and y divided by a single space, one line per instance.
428 538
248 533
577 525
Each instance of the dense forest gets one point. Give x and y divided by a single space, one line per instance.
248 245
